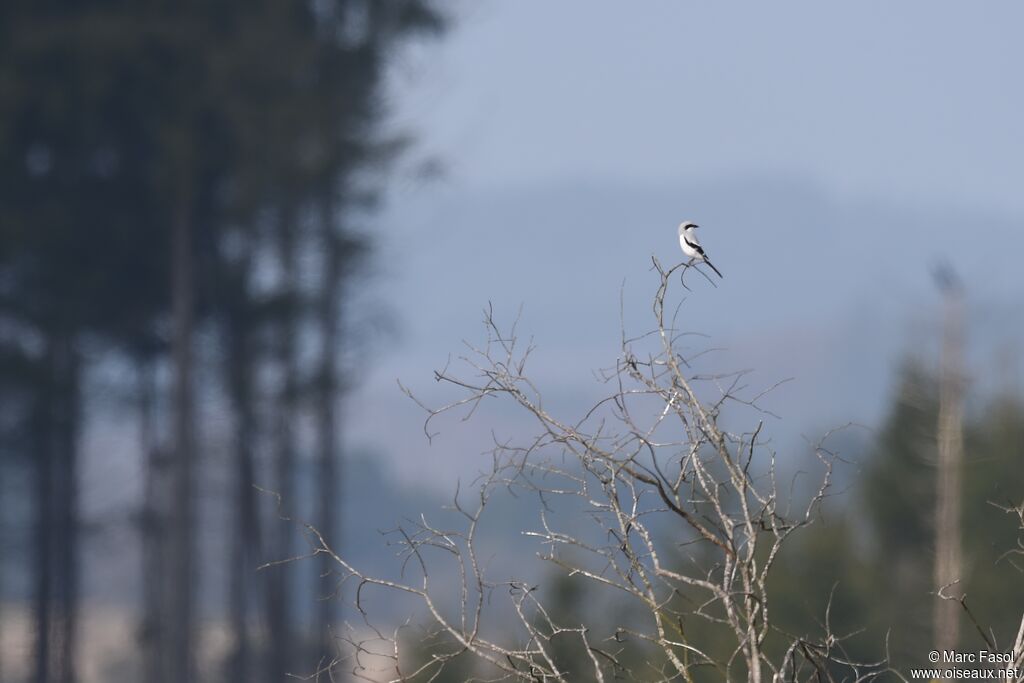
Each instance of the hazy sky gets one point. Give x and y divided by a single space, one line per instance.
831 153
916 100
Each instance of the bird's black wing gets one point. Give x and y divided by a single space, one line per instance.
696 247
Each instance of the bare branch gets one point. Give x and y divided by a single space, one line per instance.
671 521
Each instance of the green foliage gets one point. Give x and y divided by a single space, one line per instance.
249 123
878 550
113 116
994 477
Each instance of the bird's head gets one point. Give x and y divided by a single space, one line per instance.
686 225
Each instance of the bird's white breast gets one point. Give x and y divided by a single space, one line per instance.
686 247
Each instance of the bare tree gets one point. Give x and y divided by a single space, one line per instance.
1014 668
1016 553
949 479
673 519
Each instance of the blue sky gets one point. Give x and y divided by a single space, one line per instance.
831 153
912 99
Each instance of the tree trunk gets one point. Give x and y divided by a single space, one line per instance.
327 424
279 596
152 526
179 596
55 445
948 562
42 459
66 513
245 546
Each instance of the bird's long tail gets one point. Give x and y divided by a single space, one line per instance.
713 268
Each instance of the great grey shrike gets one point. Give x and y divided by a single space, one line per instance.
691 245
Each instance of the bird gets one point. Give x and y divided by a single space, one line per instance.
691 245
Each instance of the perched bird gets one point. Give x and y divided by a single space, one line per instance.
691 245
